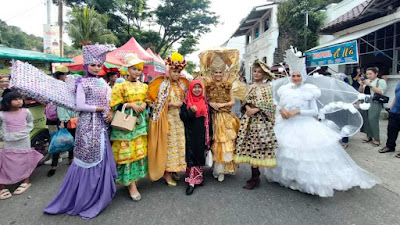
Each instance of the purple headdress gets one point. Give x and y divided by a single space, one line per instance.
94 54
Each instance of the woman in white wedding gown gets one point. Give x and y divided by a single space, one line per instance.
309 156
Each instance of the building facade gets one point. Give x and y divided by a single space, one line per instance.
261 32
375 26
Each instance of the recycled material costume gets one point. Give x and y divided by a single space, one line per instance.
166 134
88 186
225 124
130 147
256 141
309 157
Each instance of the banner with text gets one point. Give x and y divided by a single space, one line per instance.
346 53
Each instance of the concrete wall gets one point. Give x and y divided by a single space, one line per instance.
265 44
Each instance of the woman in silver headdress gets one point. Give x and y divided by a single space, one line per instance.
309 156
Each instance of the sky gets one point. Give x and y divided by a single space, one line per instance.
30 15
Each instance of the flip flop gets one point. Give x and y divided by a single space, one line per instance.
366 140
5 194
376 144
22 188
397 155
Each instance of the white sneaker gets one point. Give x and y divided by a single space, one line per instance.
64 155
48 162
221 177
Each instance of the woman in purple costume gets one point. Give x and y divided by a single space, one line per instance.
88 186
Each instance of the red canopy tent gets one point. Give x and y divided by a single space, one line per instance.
158 67
77 65
155 58
152 66
131 47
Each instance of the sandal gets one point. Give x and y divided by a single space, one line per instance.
367 140
376 144
397 155
385 149
175 176
22 188
5 194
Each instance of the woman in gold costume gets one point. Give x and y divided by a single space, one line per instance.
225 124
166 139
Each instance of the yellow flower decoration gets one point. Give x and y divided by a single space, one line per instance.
176 57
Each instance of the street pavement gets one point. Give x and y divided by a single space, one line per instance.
228 202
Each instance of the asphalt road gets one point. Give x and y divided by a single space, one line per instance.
227 202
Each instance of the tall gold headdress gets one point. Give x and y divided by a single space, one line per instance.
226 60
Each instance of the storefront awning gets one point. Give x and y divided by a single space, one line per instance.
354 36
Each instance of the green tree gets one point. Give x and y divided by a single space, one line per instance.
291 20
101 6
188 45
70 51
179 19
190 67
135 12
14 37
87 26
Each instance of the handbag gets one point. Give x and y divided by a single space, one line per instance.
122 121
209 158
72 123
380 98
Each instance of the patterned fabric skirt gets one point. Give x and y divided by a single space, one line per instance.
194 175
225 127
131 159
176 161
131 172
130 150
256 142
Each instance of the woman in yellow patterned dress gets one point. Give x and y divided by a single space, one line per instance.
225 124
166 132
130 147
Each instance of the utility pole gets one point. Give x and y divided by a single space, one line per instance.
49 12
60 24
305 32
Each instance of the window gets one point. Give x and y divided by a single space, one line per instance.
257 31
390 31
248 39
266 24
264 59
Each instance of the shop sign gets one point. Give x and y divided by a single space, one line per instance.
346 53
51 39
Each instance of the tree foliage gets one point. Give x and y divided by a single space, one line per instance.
14 37
291 19
190 67
188 45
88 27
173 22
179 19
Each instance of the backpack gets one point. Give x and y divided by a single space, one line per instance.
51 112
